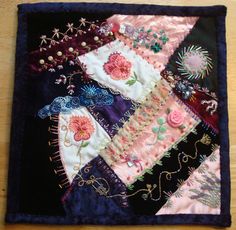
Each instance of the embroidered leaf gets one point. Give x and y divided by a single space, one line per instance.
168 204
135 76
140 178
161 137
130 187
130 82
182 127
178 193
149 31
155 129
149 171
175 147
194 131
147 45
159 162
85 144
155 35
162 129
167 154
161 120
212 157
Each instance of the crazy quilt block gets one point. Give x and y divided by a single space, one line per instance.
119 116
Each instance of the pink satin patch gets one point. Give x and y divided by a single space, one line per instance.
185 204
176 29
147 149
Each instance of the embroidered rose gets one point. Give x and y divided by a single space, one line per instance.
175 119
82 127
118 67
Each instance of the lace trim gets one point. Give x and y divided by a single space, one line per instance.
136 123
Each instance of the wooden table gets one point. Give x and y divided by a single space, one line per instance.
8 26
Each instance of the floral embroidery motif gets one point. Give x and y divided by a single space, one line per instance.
118 67
175 119
209 191
147 38
82 127
59 36
194 62
95 96
68 80
159 130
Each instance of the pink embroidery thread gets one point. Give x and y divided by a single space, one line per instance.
82 127
118 67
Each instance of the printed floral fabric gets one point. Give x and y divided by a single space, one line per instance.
119 116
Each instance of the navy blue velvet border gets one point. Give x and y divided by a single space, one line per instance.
13 216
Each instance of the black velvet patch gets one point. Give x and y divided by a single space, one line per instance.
43 24
150 207
39 190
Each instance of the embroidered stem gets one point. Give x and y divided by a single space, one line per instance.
80 147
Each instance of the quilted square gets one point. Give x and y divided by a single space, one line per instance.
120 116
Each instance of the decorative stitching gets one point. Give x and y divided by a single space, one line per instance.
68 80
55 157
136 123
149 39
166 154
194 62
47 57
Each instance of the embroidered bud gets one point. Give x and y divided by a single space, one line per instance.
96 38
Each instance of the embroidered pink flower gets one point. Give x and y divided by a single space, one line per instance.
82 127
118 67
175 119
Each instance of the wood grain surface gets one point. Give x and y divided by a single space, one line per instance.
8 27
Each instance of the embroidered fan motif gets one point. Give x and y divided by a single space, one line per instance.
194 62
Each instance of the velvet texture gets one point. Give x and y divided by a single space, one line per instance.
50 210
173 163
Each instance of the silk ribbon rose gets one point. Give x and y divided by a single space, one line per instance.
175 119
